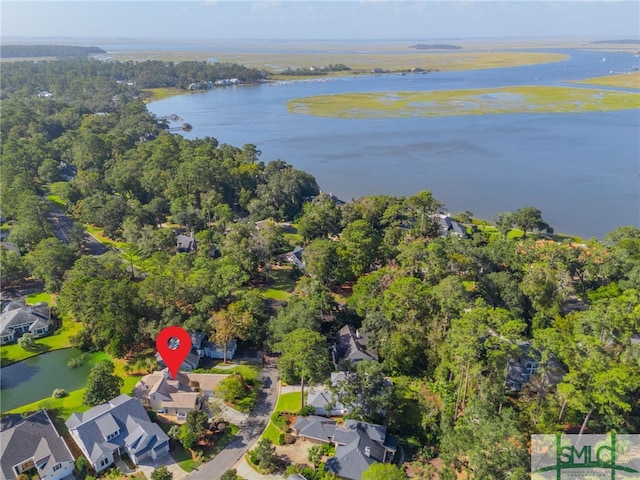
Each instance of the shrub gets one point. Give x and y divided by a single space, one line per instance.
82 466
59 393
233 388
281 438
161 473
26 341
307 410
231 474
75 362
264 455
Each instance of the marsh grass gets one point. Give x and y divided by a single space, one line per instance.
525 99
622 80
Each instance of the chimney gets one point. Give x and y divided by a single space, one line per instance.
367 451
357 333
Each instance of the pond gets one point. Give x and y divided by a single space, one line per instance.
37 377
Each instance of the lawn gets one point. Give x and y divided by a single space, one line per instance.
57 200
34 298
521 99
155 94
60 339
289 402
282 285
98 233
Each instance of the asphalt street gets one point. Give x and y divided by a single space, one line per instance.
249 431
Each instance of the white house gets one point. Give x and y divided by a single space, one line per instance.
33 445
116 427
18 318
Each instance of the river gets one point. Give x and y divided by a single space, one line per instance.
581 169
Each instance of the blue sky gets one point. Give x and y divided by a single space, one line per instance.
300 19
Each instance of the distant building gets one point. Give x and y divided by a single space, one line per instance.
295 257
32 445
185 243
449 226
520 369
45 94
203 348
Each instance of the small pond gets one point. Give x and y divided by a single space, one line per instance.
37 377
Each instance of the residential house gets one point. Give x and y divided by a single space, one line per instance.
185 243
295 257
12 247
202 348
522 368
17 318
351 346
176 396
358 445
315 429
325 402
33 445
45 94
114 428
449 226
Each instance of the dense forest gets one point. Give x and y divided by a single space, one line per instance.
17 51
448 315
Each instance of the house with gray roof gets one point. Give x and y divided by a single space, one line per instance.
295 257
448 226
32 444
315 429
116 427
358 445
325 402
17 318
351 346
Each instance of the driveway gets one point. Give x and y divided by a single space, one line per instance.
249 431
148 466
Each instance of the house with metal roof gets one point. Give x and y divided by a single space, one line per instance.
119 426
32 445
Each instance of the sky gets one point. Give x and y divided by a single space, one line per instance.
320 19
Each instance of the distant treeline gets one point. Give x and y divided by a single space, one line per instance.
309 71
437 46
91 82
18 51
627 40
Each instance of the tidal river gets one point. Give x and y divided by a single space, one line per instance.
581 169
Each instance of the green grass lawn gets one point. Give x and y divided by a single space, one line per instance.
57 200
60 339
282 285
34 298
272 433
289 402
98 233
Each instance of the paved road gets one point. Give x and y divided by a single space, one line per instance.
248 433
62 225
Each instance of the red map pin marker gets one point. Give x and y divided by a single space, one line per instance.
173 345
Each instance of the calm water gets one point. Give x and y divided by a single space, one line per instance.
581 170
37 377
